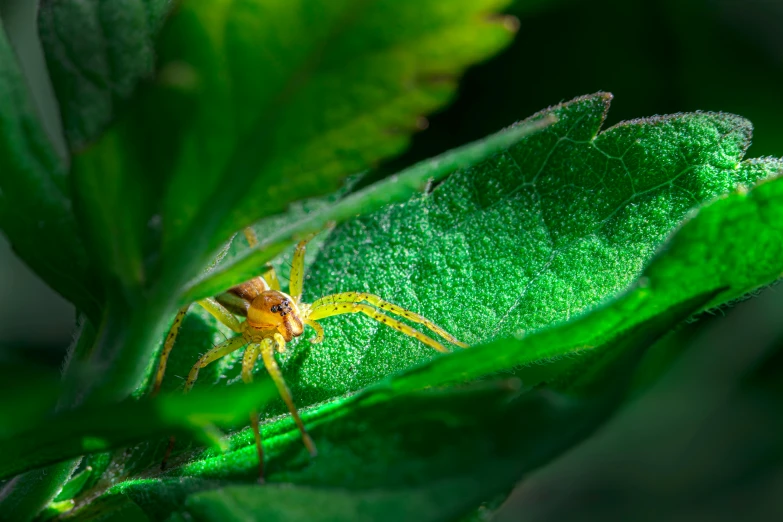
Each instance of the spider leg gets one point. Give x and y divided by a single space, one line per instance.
297 269
340 308
357 297
269 275
167 346
221 350
210 305
252 238
319 331
221 313
268 355
248 362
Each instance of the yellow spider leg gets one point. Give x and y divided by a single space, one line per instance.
357 297
221 350
319 331
167 346
221 313
248 362
297 269
251 237
268 354
270 276
328 310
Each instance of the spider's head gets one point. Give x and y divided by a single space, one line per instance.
275 310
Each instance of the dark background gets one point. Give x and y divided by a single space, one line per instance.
703 443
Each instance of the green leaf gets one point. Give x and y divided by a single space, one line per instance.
736 240
112 214
305 503
27 494
97 53
74 485
26 409
377 68
287 503
564 220
117 509
276 233
270 103
93 429
733 245
35 209
36 397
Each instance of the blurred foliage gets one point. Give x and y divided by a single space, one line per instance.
564 256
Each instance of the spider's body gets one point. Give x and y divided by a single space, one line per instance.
268 311
273 318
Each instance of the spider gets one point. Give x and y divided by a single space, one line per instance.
274 318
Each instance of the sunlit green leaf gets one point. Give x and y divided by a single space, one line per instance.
564 221
733 245
270 103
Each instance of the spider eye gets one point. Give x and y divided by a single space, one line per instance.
275 308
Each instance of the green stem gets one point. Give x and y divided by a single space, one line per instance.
127 340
